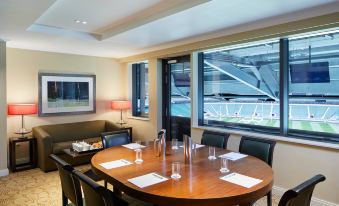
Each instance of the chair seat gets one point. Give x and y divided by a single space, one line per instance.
92 175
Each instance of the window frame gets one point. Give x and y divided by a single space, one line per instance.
138 90
283 129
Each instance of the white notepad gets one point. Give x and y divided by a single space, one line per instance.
115 164
133 146
147 180
241 180
197 146
234 156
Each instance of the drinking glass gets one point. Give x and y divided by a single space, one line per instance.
224 165
138 156
137 144
175 144
211 153
176 170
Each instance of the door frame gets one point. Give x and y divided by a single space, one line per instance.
166 90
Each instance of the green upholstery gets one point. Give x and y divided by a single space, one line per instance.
302 194
259 148
215 139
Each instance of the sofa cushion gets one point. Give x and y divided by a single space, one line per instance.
58 147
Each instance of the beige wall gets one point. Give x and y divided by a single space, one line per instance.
22 83
147 128
3 108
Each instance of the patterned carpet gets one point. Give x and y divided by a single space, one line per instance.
36 188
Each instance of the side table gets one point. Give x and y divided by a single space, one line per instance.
14 167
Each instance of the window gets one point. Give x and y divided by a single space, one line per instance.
246 87
241 86
140 98
314 84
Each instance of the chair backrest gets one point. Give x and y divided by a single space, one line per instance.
95 194
71 189
110 139
301 195
215 139
259 148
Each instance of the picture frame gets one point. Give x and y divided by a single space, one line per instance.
66 94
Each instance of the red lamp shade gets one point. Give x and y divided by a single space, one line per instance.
22 109
121 105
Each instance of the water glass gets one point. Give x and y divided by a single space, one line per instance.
176 170
211 153
224 165
138 156
175 144
138 144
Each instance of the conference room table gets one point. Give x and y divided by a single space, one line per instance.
200 184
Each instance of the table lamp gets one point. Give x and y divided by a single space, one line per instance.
121 105
22 109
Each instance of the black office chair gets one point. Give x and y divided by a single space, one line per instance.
260 148
215 139
301 195
110 139
71 190
95 194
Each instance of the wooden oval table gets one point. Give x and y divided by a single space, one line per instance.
200 184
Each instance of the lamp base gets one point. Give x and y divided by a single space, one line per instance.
121 122
22 132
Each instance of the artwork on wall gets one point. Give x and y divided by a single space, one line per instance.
66 94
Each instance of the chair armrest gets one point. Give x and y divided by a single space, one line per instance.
45 146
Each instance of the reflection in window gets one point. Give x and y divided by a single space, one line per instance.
314 83
241 86
140 97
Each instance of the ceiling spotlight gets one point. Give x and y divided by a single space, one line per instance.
77 21
84 22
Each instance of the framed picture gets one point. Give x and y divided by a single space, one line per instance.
66 94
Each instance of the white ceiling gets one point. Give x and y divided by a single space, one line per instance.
119 28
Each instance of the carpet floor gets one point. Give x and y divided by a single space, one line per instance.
36 188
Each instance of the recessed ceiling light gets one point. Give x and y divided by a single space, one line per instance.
84 22
77 21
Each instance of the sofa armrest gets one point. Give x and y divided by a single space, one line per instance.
45 147
109 127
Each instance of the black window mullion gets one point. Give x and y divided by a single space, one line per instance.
200 88
135 89
284 87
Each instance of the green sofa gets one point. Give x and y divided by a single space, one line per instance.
53 139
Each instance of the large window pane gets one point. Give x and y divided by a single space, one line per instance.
241 86
314 83
140 103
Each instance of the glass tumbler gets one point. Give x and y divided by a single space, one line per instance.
176 170
175 144
211 153
224 165
138 156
